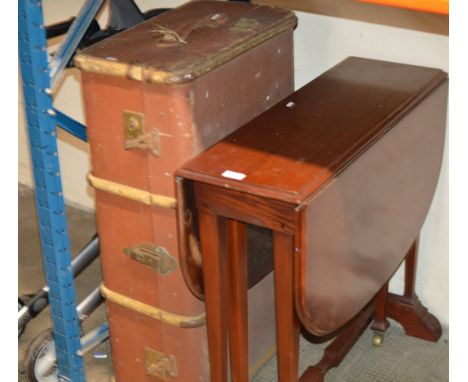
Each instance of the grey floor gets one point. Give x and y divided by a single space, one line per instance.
400 359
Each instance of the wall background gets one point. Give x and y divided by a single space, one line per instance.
320 43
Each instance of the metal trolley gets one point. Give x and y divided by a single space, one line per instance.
56 354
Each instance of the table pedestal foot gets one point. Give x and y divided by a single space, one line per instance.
414 317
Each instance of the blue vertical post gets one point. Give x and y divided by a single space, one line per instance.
49 198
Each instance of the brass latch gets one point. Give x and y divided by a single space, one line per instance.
157 258
160 365
135 135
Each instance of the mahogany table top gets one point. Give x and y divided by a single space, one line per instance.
303 141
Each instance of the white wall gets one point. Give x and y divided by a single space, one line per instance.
320 42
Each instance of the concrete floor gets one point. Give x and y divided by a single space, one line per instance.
400 359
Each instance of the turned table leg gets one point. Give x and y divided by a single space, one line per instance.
214 271
237 311
287 322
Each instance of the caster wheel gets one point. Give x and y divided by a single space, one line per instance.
377 340
39 363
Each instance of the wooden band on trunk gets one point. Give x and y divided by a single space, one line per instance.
146 198
151 311
131 192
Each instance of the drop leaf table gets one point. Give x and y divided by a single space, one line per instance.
343 173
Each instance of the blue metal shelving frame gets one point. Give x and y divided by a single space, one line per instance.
42 120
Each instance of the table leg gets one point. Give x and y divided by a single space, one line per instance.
212 243
381 310
287 322
408 309
410 270
381 323
237 312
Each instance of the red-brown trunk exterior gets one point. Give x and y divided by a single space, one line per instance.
189 117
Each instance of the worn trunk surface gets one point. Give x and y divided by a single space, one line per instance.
187 95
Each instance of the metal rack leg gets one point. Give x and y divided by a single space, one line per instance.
49 199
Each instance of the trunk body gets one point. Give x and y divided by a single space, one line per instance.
186 117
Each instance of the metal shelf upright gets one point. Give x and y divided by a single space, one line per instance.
38 77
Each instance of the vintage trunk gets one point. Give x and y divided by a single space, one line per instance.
155 96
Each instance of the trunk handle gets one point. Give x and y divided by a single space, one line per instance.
180 35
